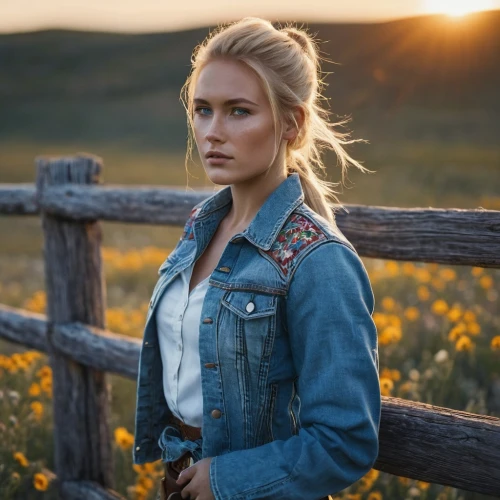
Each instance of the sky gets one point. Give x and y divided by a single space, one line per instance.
142 16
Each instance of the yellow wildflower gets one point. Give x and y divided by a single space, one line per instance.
469 316
455 313
486 281
44 372
386 386
394 320
464 343
423 485
408 268
380 320
391 374
411 313
391 334
375 495
457 331
392 268
423 275
439 307
40 481
423 293
448 274
476 271
388 303
123 438
405 481
21 459
495 343
37 409
34 389
145 482
373 474
473 328
46 385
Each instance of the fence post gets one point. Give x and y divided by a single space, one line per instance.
75 292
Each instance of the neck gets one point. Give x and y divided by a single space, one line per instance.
248 198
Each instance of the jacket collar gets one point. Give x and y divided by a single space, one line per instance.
269 220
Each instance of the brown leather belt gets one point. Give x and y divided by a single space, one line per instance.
169 489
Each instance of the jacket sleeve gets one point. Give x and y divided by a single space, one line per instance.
335 351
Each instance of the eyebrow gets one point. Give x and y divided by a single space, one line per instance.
229 102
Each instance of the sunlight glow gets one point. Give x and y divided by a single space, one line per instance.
457 8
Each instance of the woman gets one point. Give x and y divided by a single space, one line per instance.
258 374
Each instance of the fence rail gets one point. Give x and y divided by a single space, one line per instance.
417 440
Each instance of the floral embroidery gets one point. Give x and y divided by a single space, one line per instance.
188 233
297 234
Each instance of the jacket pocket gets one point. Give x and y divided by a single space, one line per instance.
253 322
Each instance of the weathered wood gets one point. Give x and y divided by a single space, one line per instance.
23 327
74 286
440 445
87 490
18 199
445 236
90 346
100 349
417 440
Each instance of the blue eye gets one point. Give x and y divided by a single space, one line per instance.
199 110
245 111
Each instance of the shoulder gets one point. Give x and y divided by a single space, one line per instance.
303 231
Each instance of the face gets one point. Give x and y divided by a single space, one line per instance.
233 116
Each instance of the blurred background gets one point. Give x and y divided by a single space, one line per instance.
419 80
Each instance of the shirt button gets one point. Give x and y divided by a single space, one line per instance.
209 365
208 320
137 448
224 269
250 307
180 316
216 413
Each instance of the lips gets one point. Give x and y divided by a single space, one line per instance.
216 154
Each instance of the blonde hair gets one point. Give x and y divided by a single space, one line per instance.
287 62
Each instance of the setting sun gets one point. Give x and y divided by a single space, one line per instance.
457 8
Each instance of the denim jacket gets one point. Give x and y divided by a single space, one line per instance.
288 356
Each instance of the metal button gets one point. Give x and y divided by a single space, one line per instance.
137 448
250 307
146 343
216 413
209 365
224 269
236 240
208 320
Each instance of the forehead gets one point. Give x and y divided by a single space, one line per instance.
223 79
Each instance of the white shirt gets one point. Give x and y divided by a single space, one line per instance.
178 318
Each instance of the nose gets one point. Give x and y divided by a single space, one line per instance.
216 129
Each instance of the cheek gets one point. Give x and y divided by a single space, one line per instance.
257 135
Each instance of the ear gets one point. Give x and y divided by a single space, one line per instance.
290 130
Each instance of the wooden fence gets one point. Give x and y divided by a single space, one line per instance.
417 440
